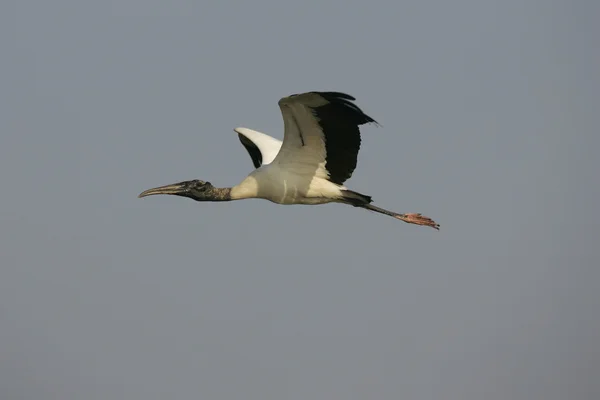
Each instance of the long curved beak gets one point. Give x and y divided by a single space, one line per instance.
175 188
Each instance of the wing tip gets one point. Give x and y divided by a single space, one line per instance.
340 99
336 95
347 102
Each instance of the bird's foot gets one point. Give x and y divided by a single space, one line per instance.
418 219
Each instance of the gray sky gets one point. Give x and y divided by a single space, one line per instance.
489 113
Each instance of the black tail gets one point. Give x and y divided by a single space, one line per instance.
356 199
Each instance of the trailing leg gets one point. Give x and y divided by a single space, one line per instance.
363 201
413 218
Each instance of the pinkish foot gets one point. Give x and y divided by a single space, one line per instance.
418 219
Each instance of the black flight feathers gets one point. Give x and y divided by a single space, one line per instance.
340 119
344 104
252 149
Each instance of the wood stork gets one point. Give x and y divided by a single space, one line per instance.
318 154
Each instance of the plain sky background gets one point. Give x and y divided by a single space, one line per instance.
489 113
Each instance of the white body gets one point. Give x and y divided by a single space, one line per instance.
269 182
297 183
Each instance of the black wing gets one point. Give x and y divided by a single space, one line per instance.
340 119
254 152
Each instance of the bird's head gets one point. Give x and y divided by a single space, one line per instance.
196 189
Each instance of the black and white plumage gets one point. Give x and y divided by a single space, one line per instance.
261 147
318 154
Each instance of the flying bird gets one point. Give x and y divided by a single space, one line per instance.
318 154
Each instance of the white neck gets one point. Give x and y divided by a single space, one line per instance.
246 189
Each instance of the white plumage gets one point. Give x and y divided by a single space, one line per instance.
318 154
262 148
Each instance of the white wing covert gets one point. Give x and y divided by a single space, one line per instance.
261 147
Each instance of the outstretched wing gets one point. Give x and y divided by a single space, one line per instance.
261 147
322 135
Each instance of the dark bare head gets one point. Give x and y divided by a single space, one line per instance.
196 190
